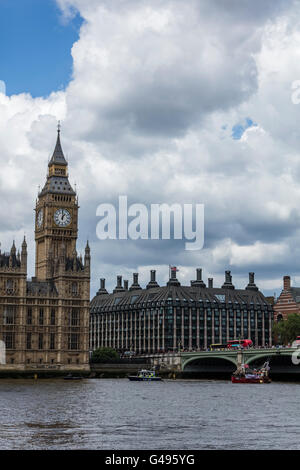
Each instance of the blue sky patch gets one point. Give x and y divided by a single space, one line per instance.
35 46
239 129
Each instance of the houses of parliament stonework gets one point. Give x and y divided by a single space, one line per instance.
44 322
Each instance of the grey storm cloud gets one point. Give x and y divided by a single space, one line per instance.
180 72
156 89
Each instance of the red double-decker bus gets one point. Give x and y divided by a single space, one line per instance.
239 343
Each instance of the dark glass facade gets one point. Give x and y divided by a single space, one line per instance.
173 317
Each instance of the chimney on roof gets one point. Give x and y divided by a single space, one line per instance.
152 282
135 285
173 281
286 283
210 282
102 289
198 282
228 281
251 285
125 284
119 287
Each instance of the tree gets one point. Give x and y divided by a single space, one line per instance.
286 331
104 355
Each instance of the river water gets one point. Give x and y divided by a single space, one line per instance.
118 414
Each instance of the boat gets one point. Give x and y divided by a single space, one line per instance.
244 375
72 377
145 375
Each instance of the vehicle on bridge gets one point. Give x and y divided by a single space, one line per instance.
233 344
240 343
218 346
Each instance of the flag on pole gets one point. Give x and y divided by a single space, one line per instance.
172 269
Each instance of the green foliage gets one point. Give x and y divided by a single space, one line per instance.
286 331
105 355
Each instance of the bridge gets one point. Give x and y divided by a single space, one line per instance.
249 355
226 360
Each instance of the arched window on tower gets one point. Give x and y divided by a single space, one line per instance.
74 317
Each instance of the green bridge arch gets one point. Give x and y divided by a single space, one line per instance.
259 357
186 361
249 355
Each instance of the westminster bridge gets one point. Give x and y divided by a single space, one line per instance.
282 360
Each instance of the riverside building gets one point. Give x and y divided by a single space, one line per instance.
44 322
288 302
172 317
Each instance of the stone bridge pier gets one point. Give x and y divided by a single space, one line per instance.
167 362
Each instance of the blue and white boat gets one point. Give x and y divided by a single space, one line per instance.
145 375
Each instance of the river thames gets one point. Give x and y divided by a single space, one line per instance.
118 414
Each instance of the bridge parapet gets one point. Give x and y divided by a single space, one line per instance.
179 360
248 355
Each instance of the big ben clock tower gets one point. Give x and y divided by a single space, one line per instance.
50 312
56 221
60 271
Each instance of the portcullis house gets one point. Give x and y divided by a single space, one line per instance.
167 318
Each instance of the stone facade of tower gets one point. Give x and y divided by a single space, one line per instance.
44 322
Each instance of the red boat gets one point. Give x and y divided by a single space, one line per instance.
250 380
243 375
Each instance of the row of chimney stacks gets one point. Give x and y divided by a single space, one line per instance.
122 287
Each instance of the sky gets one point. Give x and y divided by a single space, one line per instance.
35 45
166 102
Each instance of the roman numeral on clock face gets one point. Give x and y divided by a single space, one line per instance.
62 217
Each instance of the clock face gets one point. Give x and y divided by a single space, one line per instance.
39 219
62 217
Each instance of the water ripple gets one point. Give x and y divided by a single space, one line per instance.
118 414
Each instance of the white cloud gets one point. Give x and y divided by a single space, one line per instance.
256 254
156 90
